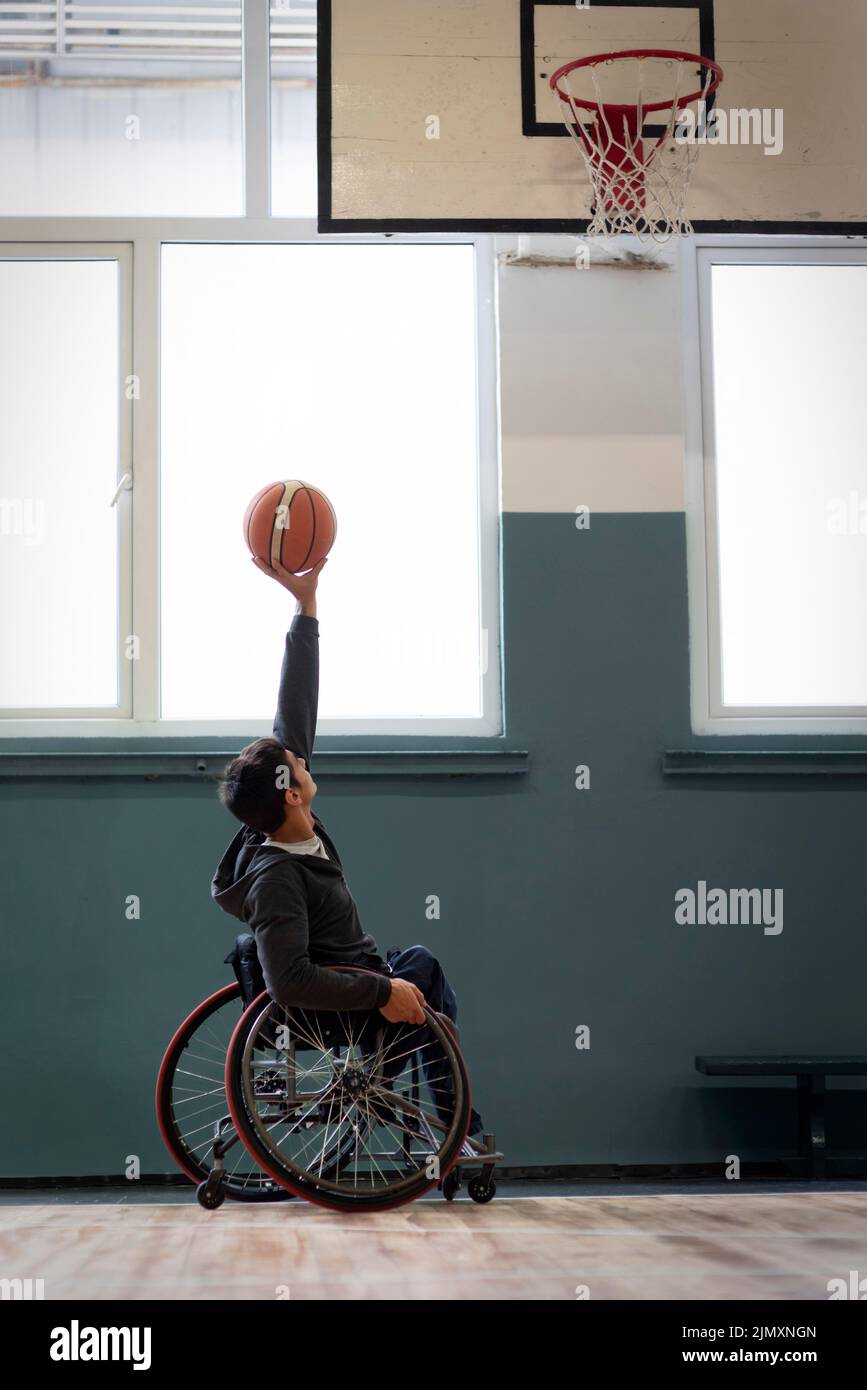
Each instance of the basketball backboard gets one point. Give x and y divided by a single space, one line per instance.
438 114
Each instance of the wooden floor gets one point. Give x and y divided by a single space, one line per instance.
687 1245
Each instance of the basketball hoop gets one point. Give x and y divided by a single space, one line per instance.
640 172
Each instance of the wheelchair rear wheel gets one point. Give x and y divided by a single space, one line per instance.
192 1110
346 1114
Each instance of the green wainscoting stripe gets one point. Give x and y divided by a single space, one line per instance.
204 767
733 762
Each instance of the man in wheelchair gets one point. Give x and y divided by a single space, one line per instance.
282 875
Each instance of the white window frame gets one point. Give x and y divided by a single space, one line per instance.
698 256
140 241
708 713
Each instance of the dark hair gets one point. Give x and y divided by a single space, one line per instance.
249 786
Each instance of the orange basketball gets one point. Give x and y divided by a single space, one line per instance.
292 524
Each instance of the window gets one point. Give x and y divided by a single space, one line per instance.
354 367
118 108
64 442
777 516
113 108
173 334
293 108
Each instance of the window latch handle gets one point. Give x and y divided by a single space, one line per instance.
124 485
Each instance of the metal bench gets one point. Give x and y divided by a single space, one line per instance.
811 1069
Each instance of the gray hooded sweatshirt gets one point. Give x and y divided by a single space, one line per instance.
299 906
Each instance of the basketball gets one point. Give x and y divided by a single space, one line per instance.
290 523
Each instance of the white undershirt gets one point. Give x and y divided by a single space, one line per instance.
312 846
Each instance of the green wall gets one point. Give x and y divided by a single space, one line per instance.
557 905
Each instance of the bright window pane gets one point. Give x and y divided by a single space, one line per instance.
116 109
293 108
790 407
59 373
351 367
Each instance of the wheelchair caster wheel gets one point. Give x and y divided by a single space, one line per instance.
481 1190
210 1195
450 1185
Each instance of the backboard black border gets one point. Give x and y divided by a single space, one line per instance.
532 126
386 226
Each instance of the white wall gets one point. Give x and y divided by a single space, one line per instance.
590 364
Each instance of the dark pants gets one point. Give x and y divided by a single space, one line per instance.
422 969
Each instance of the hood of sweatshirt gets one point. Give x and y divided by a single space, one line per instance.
248 857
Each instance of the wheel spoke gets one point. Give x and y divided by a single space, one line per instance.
339 1137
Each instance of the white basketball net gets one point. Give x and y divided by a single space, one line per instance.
639 181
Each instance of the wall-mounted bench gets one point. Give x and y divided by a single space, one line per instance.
811 1069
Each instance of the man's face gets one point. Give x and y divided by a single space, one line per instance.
304 783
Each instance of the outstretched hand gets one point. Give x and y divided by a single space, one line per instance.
301 586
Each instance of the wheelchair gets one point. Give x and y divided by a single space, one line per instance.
258 1101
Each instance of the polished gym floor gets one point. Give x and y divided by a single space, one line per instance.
535 1241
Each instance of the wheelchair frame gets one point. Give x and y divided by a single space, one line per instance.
218 1183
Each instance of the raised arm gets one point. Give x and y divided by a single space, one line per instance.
298 697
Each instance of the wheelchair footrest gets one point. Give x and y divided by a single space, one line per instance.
480 1149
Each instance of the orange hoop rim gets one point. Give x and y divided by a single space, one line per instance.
678 102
